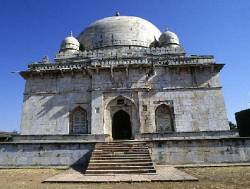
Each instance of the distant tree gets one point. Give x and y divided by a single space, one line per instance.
15 132
232 126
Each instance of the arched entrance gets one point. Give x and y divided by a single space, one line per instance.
121 126
118 111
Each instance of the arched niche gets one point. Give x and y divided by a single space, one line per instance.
78 121
164 119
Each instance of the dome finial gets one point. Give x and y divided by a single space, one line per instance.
117 13
71 33
166 29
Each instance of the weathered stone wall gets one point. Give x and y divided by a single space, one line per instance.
182 151
193 109
48 102
44 154
193 94
195 97
202 151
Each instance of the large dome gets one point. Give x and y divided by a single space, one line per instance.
119 31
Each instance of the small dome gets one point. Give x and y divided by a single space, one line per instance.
70 44
168 38
119 31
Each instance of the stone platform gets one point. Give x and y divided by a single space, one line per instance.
29 151
163 174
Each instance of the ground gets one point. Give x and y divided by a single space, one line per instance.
209 177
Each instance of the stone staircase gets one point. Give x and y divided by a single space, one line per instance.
120 157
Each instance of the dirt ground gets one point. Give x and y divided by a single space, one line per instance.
209 177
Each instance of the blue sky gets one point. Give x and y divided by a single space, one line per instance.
31 29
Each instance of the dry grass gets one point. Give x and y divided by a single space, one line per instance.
213 177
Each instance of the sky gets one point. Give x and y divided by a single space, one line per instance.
31 29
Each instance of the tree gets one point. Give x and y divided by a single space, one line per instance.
232 126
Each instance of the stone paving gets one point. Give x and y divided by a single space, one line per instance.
163 174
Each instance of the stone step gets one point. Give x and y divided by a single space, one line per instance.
132 171
121 150
121 167
146 163
121 147
121 142
121 155
119 160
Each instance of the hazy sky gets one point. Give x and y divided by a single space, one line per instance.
31 29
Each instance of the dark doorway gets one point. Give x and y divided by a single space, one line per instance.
121 125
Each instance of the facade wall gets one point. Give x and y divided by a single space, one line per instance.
193 95
48 102
193 110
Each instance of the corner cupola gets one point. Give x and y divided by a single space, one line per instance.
169 39
70 45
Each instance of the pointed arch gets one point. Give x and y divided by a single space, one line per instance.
163 119
78 121
128 107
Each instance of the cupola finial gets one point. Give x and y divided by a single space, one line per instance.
117 13
166 29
